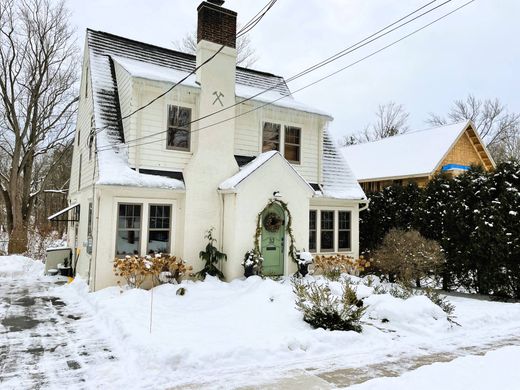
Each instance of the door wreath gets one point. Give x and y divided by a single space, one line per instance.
272 222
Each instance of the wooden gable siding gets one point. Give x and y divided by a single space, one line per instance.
467 151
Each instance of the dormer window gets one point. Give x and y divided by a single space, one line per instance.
179 128
291 141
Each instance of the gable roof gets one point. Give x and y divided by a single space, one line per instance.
417 153
250 168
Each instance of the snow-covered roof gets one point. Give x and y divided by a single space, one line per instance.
112 155
251 167
339 181
275 96
415 153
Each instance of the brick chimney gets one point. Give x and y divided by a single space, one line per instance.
216 24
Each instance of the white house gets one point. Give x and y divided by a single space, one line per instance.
152 172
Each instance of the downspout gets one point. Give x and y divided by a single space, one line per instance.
221 233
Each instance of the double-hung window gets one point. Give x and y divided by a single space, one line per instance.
128 229
327 231
179 128
344 231
313 230
271 137
159 227
291 140
292 144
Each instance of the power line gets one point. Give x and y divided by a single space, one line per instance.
317 81
358 45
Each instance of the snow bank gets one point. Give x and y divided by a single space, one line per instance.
495 370
20 266
252 321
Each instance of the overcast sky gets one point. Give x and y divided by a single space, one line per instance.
475 50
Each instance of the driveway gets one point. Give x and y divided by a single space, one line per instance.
40 346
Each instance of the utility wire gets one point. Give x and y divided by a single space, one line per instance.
322 78
358 45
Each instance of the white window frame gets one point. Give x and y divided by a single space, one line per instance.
336 211
148 229
145 207
281 145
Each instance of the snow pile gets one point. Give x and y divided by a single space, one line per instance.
495 370
20 266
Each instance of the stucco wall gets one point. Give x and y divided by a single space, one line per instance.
253 194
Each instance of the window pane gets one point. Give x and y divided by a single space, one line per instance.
327 240
327 220
292 135
271 137
344 220
159 241
292 153
344 240
127 242
178 138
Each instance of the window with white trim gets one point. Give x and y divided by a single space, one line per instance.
159 228
313 231
128 238
179 128
288 143
344 242
330 231
327 230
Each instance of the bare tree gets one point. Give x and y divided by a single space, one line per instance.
499 128
391 119
246 54
39 69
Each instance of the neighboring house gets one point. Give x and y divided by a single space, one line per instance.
416 156
157 179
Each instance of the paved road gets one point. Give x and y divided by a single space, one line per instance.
41 346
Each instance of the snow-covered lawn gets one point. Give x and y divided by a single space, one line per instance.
249 331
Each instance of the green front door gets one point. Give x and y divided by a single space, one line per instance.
273 234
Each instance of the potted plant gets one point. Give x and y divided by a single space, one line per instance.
304 259
252 263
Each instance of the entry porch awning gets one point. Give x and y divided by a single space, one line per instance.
74 217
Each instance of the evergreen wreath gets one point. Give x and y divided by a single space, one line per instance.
272 222
288 228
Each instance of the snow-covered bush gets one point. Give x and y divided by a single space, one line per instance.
134 269
402 291
322 308
252 263
334 265
170 269
408 257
